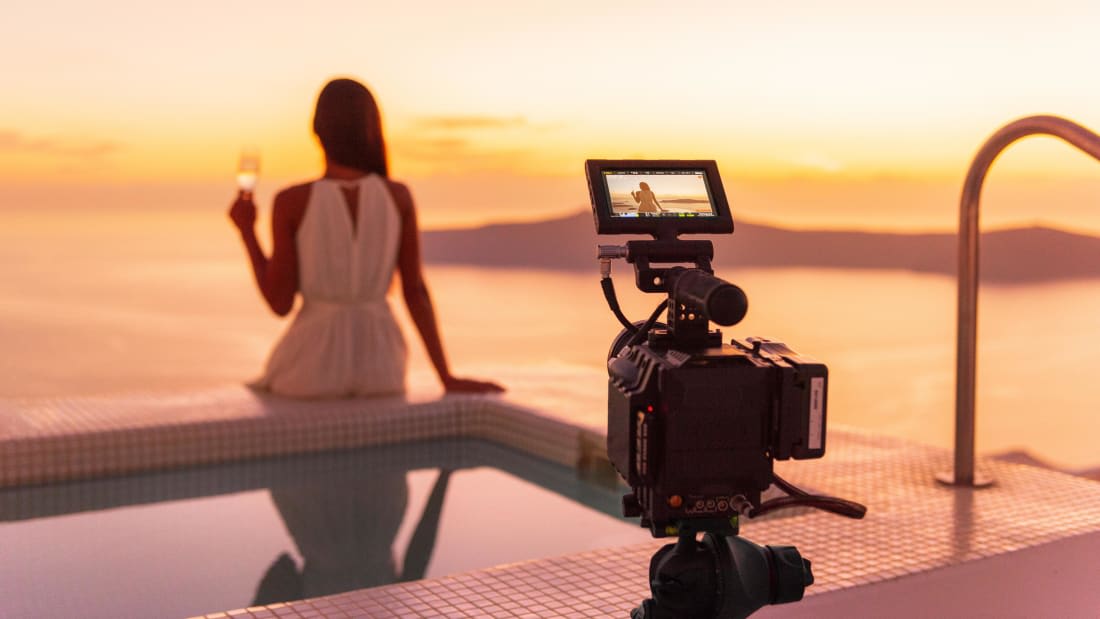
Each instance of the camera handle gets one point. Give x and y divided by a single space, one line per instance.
695 294
642 254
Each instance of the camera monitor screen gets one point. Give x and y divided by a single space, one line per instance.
659 197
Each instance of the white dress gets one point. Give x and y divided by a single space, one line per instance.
344 341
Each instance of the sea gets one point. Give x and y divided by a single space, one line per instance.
163 301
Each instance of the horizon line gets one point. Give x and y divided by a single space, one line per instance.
1036 224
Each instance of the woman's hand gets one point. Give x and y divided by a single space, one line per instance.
243 212
469 385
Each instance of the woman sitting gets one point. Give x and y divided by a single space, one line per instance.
337 241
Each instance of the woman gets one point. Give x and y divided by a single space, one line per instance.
647 201
338 240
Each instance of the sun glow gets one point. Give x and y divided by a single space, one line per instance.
845 96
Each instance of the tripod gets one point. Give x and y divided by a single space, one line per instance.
724 576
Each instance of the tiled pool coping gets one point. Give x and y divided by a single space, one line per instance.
913 527
66 439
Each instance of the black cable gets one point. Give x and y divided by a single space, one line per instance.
788 487
613 302
841 507
641 333
801 498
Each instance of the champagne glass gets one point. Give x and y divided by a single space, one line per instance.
248 169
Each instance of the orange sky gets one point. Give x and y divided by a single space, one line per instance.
842 114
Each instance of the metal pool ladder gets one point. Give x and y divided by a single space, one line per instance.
967 325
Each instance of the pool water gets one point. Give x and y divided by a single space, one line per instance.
185 543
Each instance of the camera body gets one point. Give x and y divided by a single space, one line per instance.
693 424
694 433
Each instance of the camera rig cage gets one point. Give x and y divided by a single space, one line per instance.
693 423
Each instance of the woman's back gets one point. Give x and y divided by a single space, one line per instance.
342 259
344 340
647 201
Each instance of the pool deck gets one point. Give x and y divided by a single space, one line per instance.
1025 547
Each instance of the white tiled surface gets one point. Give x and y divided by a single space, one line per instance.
913 525
78 438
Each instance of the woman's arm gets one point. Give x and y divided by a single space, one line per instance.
415 291
634 194
277 276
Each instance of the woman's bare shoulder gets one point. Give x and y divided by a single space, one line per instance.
290 204
401 195
294 194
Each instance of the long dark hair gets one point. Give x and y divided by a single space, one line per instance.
349 125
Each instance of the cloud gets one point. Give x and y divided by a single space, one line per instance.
431 148
473 143
16 142
430 155
453 123
818 162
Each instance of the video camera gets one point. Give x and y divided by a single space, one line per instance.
693 423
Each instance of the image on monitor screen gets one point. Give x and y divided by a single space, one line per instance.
659 193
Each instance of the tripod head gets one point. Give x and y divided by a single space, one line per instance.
694 423
722 577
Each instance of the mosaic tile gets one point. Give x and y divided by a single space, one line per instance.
914 525
81 438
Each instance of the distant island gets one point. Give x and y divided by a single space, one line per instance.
1018 255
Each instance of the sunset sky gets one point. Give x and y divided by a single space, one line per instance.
849 113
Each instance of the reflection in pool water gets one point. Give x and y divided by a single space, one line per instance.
345 534
195 541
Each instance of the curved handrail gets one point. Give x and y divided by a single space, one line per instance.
966 363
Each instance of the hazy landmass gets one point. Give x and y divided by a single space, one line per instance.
1023 255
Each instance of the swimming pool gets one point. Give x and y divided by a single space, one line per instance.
181 543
